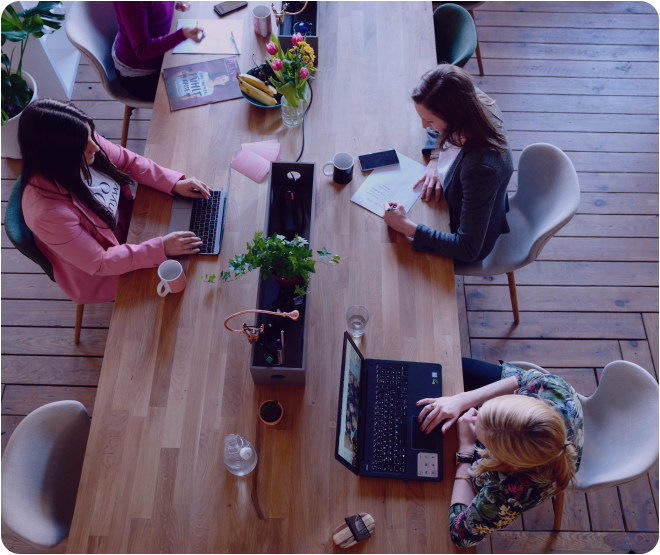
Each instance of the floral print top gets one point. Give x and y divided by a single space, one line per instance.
502 496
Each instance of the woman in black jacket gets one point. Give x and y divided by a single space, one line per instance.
470 165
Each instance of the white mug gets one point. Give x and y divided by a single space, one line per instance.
172 278
261 21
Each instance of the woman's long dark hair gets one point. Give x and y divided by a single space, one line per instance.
53 137
448 92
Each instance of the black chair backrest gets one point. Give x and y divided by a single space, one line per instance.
20 234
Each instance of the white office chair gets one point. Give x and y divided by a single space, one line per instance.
620 429
547 198
41 471
92 28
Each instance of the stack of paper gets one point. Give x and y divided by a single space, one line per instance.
255 158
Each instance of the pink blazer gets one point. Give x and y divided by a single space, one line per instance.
86 255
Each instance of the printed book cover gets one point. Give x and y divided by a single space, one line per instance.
202 83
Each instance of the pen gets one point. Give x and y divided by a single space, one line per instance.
234 41
279 351
282 340
199 34
391 207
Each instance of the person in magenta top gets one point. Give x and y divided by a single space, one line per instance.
142 40
77 201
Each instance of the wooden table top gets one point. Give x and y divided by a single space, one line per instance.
174 382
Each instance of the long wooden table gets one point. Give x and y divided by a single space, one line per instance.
174 382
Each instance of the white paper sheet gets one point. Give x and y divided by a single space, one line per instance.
390 184
217 39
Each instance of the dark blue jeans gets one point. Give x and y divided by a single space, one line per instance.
477 373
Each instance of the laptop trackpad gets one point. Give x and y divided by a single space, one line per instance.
422 441
180 220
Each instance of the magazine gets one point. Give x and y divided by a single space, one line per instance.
202 83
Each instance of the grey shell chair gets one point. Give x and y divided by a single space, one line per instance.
92 28
621 429
41 471
547 198
470 7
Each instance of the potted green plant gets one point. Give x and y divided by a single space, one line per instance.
19 87
290 262
270 412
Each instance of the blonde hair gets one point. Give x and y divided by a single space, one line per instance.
525 434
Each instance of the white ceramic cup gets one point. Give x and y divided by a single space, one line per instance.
261 21
172 278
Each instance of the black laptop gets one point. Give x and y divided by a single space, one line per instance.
377 429
204 217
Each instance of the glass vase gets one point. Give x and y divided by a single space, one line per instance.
292 116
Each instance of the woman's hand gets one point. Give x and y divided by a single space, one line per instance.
439 409
182 6
395 217
181 242
467 435
195 34
430 182
192 187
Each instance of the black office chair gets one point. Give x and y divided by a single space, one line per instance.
23 239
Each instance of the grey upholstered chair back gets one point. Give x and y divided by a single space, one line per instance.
547 198
41 471
620 427
92 28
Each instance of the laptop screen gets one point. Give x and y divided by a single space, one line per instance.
350 397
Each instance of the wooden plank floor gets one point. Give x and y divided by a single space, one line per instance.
580 75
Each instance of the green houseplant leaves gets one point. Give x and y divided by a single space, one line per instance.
18 27
276 256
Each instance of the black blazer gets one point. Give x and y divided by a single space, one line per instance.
475 190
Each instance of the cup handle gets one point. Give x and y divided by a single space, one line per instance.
324 166
163 288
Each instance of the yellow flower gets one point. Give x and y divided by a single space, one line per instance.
310 64
292 49
305 59
484 529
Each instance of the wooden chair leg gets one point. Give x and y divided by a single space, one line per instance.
79 315
514 297
481 66
559 509
128 112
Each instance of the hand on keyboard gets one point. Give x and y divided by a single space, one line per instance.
192 188
181 242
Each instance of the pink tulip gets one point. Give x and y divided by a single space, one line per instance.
271 47
304 74
297 39
276 64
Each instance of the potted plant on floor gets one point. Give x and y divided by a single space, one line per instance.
19 88
290 262
270 412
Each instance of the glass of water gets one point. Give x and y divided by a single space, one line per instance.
356 319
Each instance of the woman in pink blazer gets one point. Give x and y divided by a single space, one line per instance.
77 202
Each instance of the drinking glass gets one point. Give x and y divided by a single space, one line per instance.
356 320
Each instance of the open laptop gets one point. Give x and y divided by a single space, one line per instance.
204 217
377 429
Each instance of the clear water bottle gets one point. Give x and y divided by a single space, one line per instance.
240 456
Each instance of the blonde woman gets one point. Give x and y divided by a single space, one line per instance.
521 447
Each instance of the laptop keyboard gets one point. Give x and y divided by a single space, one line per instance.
204 220
390 422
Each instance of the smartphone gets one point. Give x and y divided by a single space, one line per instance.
227 7
378 160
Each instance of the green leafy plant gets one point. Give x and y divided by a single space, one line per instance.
17 27
292 68
271 411
276 256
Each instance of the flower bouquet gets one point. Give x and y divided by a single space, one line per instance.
292 72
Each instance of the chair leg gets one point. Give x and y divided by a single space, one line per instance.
514 297
481 66
128 112
559 509
79 315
